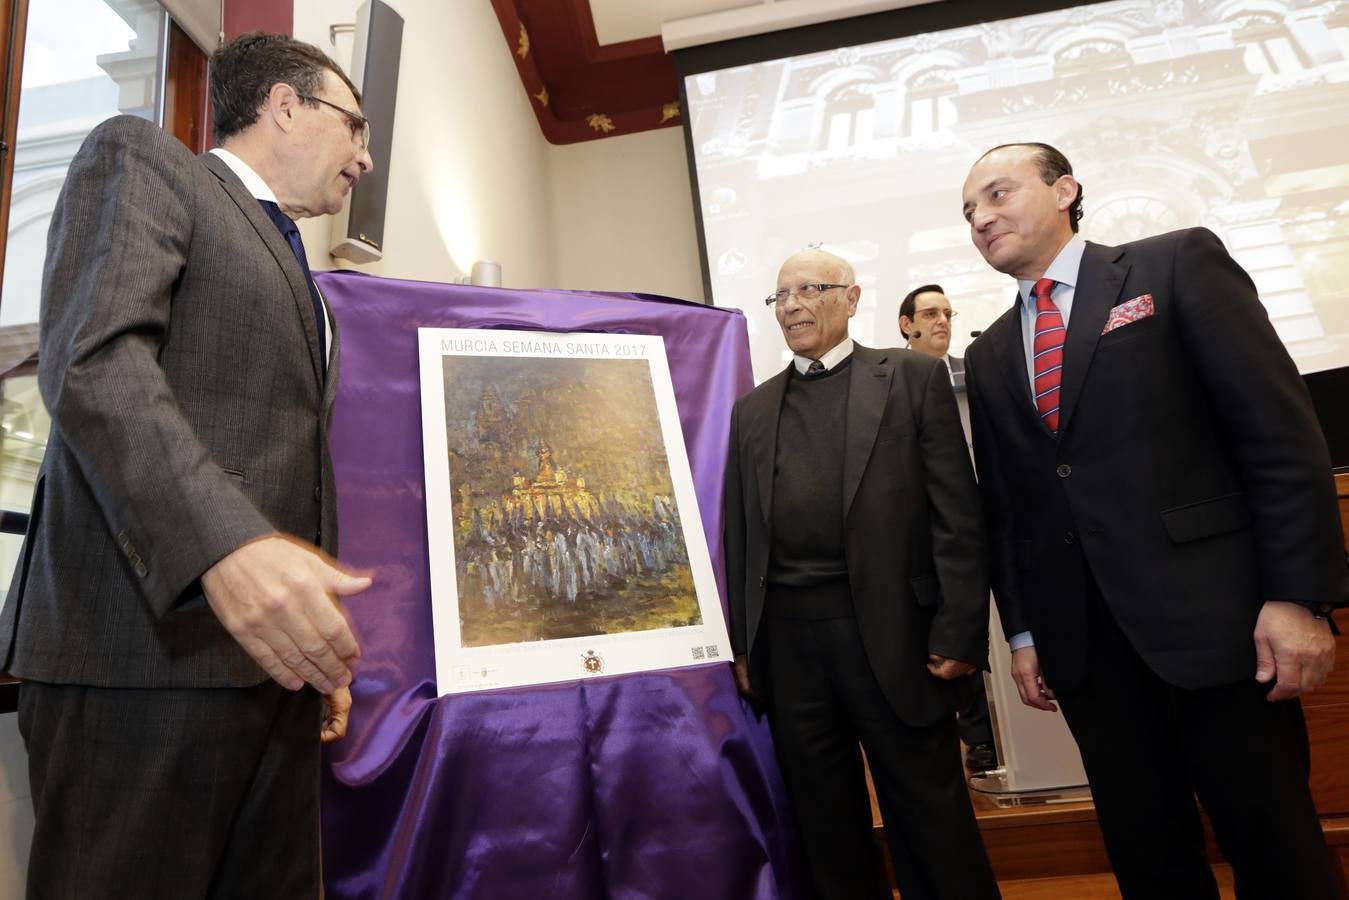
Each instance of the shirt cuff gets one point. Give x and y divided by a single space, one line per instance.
1020 641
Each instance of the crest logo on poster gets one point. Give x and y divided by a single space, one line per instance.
592 663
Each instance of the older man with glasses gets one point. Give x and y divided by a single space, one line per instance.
858 593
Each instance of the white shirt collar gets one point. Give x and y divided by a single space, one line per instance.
1063 269
253 182
838 354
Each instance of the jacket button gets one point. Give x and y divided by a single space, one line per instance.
1070 538
141 570
318 493
762 581
1064 470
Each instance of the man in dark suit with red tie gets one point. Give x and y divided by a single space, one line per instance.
1166 548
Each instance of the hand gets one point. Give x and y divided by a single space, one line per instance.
1030 684
1293 647
336 711
278 598
740 668
945 668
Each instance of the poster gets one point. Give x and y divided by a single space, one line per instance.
564 534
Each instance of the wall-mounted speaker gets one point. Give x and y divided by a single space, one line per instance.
358 231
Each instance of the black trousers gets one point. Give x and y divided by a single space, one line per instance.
1149 748
822 701
172 793
975 725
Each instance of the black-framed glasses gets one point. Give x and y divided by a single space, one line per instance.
804 291
360 125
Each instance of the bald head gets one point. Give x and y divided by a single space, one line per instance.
831 269
814 319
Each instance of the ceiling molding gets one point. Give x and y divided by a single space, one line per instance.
579 89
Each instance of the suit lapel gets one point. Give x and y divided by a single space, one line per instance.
868 388
1009 348
1099 281
764 412
280 251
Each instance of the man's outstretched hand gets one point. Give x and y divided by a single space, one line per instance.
279 598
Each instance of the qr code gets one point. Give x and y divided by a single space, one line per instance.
697 652
713 652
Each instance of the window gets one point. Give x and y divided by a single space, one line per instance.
66 67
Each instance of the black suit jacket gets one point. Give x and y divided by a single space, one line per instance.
1189 478
914 547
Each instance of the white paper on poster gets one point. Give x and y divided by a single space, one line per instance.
564 535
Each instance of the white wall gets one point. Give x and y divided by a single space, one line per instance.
623 215
469 164
473 177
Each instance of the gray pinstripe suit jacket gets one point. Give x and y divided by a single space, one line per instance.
180 364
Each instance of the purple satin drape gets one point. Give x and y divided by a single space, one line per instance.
658 785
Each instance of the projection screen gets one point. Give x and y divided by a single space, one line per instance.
1231 115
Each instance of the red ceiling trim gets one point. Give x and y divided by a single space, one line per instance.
580 90
243 16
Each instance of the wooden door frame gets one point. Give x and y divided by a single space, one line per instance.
13 22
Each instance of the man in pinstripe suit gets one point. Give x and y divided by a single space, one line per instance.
176 614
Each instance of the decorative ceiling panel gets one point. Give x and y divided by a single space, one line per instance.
582 90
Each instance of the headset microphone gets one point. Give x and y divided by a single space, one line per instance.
915 334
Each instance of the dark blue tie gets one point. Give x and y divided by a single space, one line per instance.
286 225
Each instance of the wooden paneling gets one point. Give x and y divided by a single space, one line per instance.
1327 712
1328 730
1059 843
13 21
185 90
1091 887
1335 692
1342 489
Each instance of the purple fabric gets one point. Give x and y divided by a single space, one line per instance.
654 785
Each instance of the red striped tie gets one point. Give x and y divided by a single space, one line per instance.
1048 349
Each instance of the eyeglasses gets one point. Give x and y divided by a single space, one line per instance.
360 125
804 291
932 314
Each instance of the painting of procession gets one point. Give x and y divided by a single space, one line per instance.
564 518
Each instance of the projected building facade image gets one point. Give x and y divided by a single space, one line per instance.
1226 115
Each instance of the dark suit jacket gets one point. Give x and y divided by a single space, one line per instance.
914 546
181 368
1189 478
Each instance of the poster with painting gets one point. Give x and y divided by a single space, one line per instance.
565 539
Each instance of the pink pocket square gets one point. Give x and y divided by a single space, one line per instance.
1139 307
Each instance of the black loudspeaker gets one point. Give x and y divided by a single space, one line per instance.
358 231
